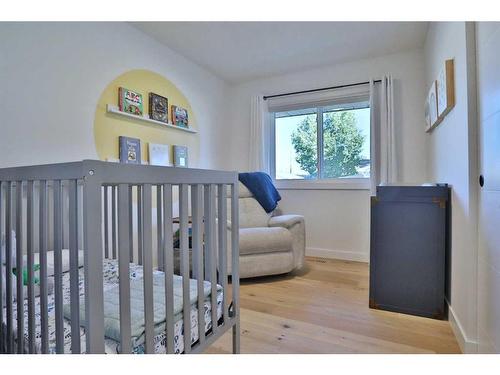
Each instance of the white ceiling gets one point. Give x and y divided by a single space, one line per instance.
242 51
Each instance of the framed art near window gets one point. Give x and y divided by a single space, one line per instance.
431 107
441 97
446 89
427 115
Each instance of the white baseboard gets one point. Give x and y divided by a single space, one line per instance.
466 345
338 254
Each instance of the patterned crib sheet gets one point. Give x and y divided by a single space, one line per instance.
110 277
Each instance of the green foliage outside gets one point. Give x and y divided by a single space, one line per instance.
342 142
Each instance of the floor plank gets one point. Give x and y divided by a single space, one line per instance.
324 309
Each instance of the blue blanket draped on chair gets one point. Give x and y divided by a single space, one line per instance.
261 186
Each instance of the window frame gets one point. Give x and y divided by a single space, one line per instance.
354 183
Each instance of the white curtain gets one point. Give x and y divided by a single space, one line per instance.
384 167
258 155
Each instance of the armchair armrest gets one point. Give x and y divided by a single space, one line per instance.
285 221
296 225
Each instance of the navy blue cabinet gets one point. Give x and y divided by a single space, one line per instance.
409 249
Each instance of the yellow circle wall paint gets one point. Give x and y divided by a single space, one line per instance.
108 126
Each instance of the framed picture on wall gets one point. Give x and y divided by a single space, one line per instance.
431 107
427 115
445 89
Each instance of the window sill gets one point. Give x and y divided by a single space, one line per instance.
337 184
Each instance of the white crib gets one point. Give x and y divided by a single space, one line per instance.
122 292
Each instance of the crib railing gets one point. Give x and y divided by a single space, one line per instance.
119 212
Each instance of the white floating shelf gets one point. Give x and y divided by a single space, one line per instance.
115 110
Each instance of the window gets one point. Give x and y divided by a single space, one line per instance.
296 144
326 144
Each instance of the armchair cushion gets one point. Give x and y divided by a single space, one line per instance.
243 191
252 214
264 240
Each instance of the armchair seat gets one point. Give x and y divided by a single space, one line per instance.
264 240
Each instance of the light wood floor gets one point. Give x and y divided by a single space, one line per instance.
324 309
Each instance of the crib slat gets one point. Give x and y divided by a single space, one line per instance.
168 258
159 228
235 259
73 273
222 235
213 264
92 243
19 267
210 251
130 225
148 268
113 221
184 263
8 265
123 267
139 225
208 232
31 275
106 222
58 287
197 242
42 238
2 286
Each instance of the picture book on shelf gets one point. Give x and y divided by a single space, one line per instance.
159 154
130 150
158 107
130 101
179 116
180 156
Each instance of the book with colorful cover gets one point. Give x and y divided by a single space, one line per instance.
130 101
179 116
130 150
158 107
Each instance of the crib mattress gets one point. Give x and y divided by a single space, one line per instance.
110 277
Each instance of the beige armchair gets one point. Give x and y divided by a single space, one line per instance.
269 245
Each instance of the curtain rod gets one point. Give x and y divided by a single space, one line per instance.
321 89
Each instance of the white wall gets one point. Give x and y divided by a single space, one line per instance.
452 155
338 220
488 45
52 75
